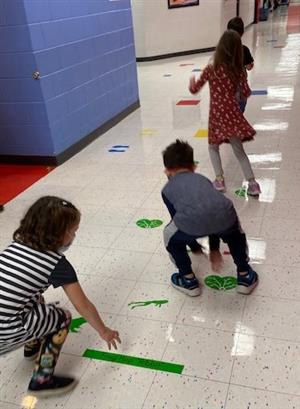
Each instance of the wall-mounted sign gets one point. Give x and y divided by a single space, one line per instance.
182 3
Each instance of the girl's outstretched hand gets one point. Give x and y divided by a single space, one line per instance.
193 86
111 336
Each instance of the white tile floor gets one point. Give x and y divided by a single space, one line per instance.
238 352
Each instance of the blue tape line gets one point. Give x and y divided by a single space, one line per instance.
259 92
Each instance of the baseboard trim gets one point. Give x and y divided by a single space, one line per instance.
177 54
72 150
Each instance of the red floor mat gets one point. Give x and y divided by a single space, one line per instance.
14 179
188 102
293 22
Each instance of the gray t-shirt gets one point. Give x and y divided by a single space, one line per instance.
196 207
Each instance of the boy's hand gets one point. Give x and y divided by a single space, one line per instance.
193 86
111 336
216 260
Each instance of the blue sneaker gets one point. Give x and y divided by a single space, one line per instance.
190 287
247 283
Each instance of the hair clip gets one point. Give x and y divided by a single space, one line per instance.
64 203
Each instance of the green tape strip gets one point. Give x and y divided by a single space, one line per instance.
133 361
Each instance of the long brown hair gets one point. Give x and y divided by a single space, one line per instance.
46 222
229 54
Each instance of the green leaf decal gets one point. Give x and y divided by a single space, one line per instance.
215 282
241 192
149 224
155 223
220 283
229 283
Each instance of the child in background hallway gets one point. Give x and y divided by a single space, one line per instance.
226 121
198 210
237 25
32 263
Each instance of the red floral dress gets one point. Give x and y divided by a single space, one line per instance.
226 120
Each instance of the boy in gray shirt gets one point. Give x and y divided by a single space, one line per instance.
199 210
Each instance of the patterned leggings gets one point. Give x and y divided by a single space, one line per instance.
50 346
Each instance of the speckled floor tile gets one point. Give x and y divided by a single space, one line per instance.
112 386
121 264
138 239
213 309
206 353
272 317
278 281
183 392
93 236
249 398
110 295
84 259
267 364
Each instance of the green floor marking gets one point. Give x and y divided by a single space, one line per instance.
156 303
134 361
241 192
220 283
149 224
76 324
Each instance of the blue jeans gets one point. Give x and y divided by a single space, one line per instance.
176 243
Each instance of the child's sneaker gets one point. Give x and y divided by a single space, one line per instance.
219 185
247 283
56 386
190 287
253 188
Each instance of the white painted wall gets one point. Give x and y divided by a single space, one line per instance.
159 30
228 11
247 9
138 16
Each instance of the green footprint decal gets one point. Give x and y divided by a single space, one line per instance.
220 283
149 224
241 192
76 324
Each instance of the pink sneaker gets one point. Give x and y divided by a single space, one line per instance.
219 185
253 188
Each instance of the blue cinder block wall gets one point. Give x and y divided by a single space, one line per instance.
84 52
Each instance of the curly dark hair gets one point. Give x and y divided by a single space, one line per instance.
46 222
229 54
178 155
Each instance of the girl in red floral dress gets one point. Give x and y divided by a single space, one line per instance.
226 121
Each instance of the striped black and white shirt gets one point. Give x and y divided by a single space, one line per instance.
25 274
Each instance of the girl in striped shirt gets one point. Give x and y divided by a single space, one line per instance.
28 266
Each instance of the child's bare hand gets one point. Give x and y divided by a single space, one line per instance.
216 260
111 336
193 86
